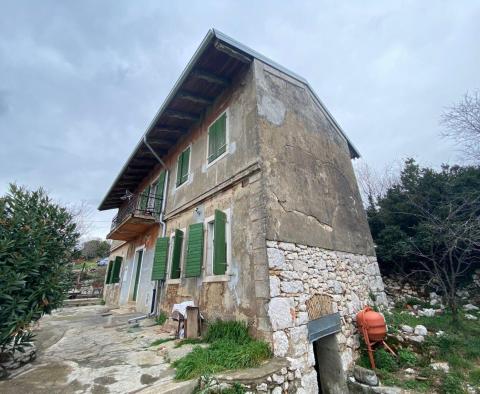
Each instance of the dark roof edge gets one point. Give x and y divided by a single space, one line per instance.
214 33
170 95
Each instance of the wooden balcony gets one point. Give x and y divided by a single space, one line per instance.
140 213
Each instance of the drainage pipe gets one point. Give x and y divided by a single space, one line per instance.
161 219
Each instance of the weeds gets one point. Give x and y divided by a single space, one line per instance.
407 358
231 347
385 361
452 384
230 330
161 318
189 341
157 342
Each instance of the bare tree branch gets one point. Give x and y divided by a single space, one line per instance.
462 124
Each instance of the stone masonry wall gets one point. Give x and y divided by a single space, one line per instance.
297 272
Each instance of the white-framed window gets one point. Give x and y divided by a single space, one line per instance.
218 244
218 139
183 167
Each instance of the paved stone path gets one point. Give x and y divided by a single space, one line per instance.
81 351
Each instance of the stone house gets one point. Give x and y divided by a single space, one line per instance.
241 196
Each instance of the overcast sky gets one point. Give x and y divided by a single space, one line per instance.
81 80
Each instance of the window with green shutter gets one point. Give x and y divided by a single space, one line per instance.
177 254
217 138
159 193
109 272
160 259
117 265
219 243
182 166
193 263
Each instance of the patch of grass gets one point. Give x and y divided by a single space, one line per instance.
415 385
157 342
385 361
231 347
474 377
189 341
237 388
452 384
407 358
161 318
229 330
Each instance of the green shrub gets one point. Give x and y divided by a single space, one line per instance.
161 318
407 358
385 361
37 245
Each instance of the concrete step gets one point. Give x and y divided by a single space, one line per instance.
172 387
82 302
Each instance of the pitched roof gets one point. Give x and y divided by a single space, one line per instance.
214 64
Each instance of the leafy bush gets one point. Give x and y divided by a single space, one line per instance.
37 244
231 347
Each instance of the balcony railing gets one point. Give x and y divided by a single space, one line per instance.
142 205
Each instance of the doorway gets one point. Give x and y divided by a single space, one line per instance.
138 269
328 364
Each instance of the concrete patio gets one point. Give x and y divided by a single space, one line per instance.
86 350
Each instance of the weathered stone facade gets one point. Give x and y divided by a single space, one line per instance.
297 272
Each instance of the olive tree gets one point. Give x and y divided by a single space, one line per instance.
37 243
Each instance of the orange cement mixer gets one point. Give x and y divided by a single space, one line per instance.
374 330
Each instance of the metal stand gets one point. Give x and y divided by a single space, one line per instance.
371 344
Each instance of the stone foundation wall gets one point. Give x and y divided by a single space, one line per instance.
298 272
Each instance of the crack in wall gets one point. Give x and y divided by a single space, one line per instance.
326 226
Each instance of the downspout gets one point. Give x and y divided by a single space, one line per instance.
162 213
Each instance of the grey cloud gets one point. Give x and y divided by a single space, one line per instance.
81 80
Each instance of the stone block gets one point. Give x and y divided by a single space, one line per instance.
276 258
281 312
274 286
280 344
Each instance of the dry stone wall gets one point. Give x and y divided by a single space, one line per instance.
297 273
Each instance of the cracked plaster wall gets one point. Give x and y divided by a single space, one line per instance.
312 195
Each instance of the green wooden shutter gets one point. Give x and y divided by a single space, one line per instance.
116 269
217 138
185 164
177 254
212 142
144 198
160 259
109 272
221 135
159 192
193 265
179 169
219 243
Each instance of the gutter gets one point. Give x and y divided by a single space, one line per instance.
158 283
